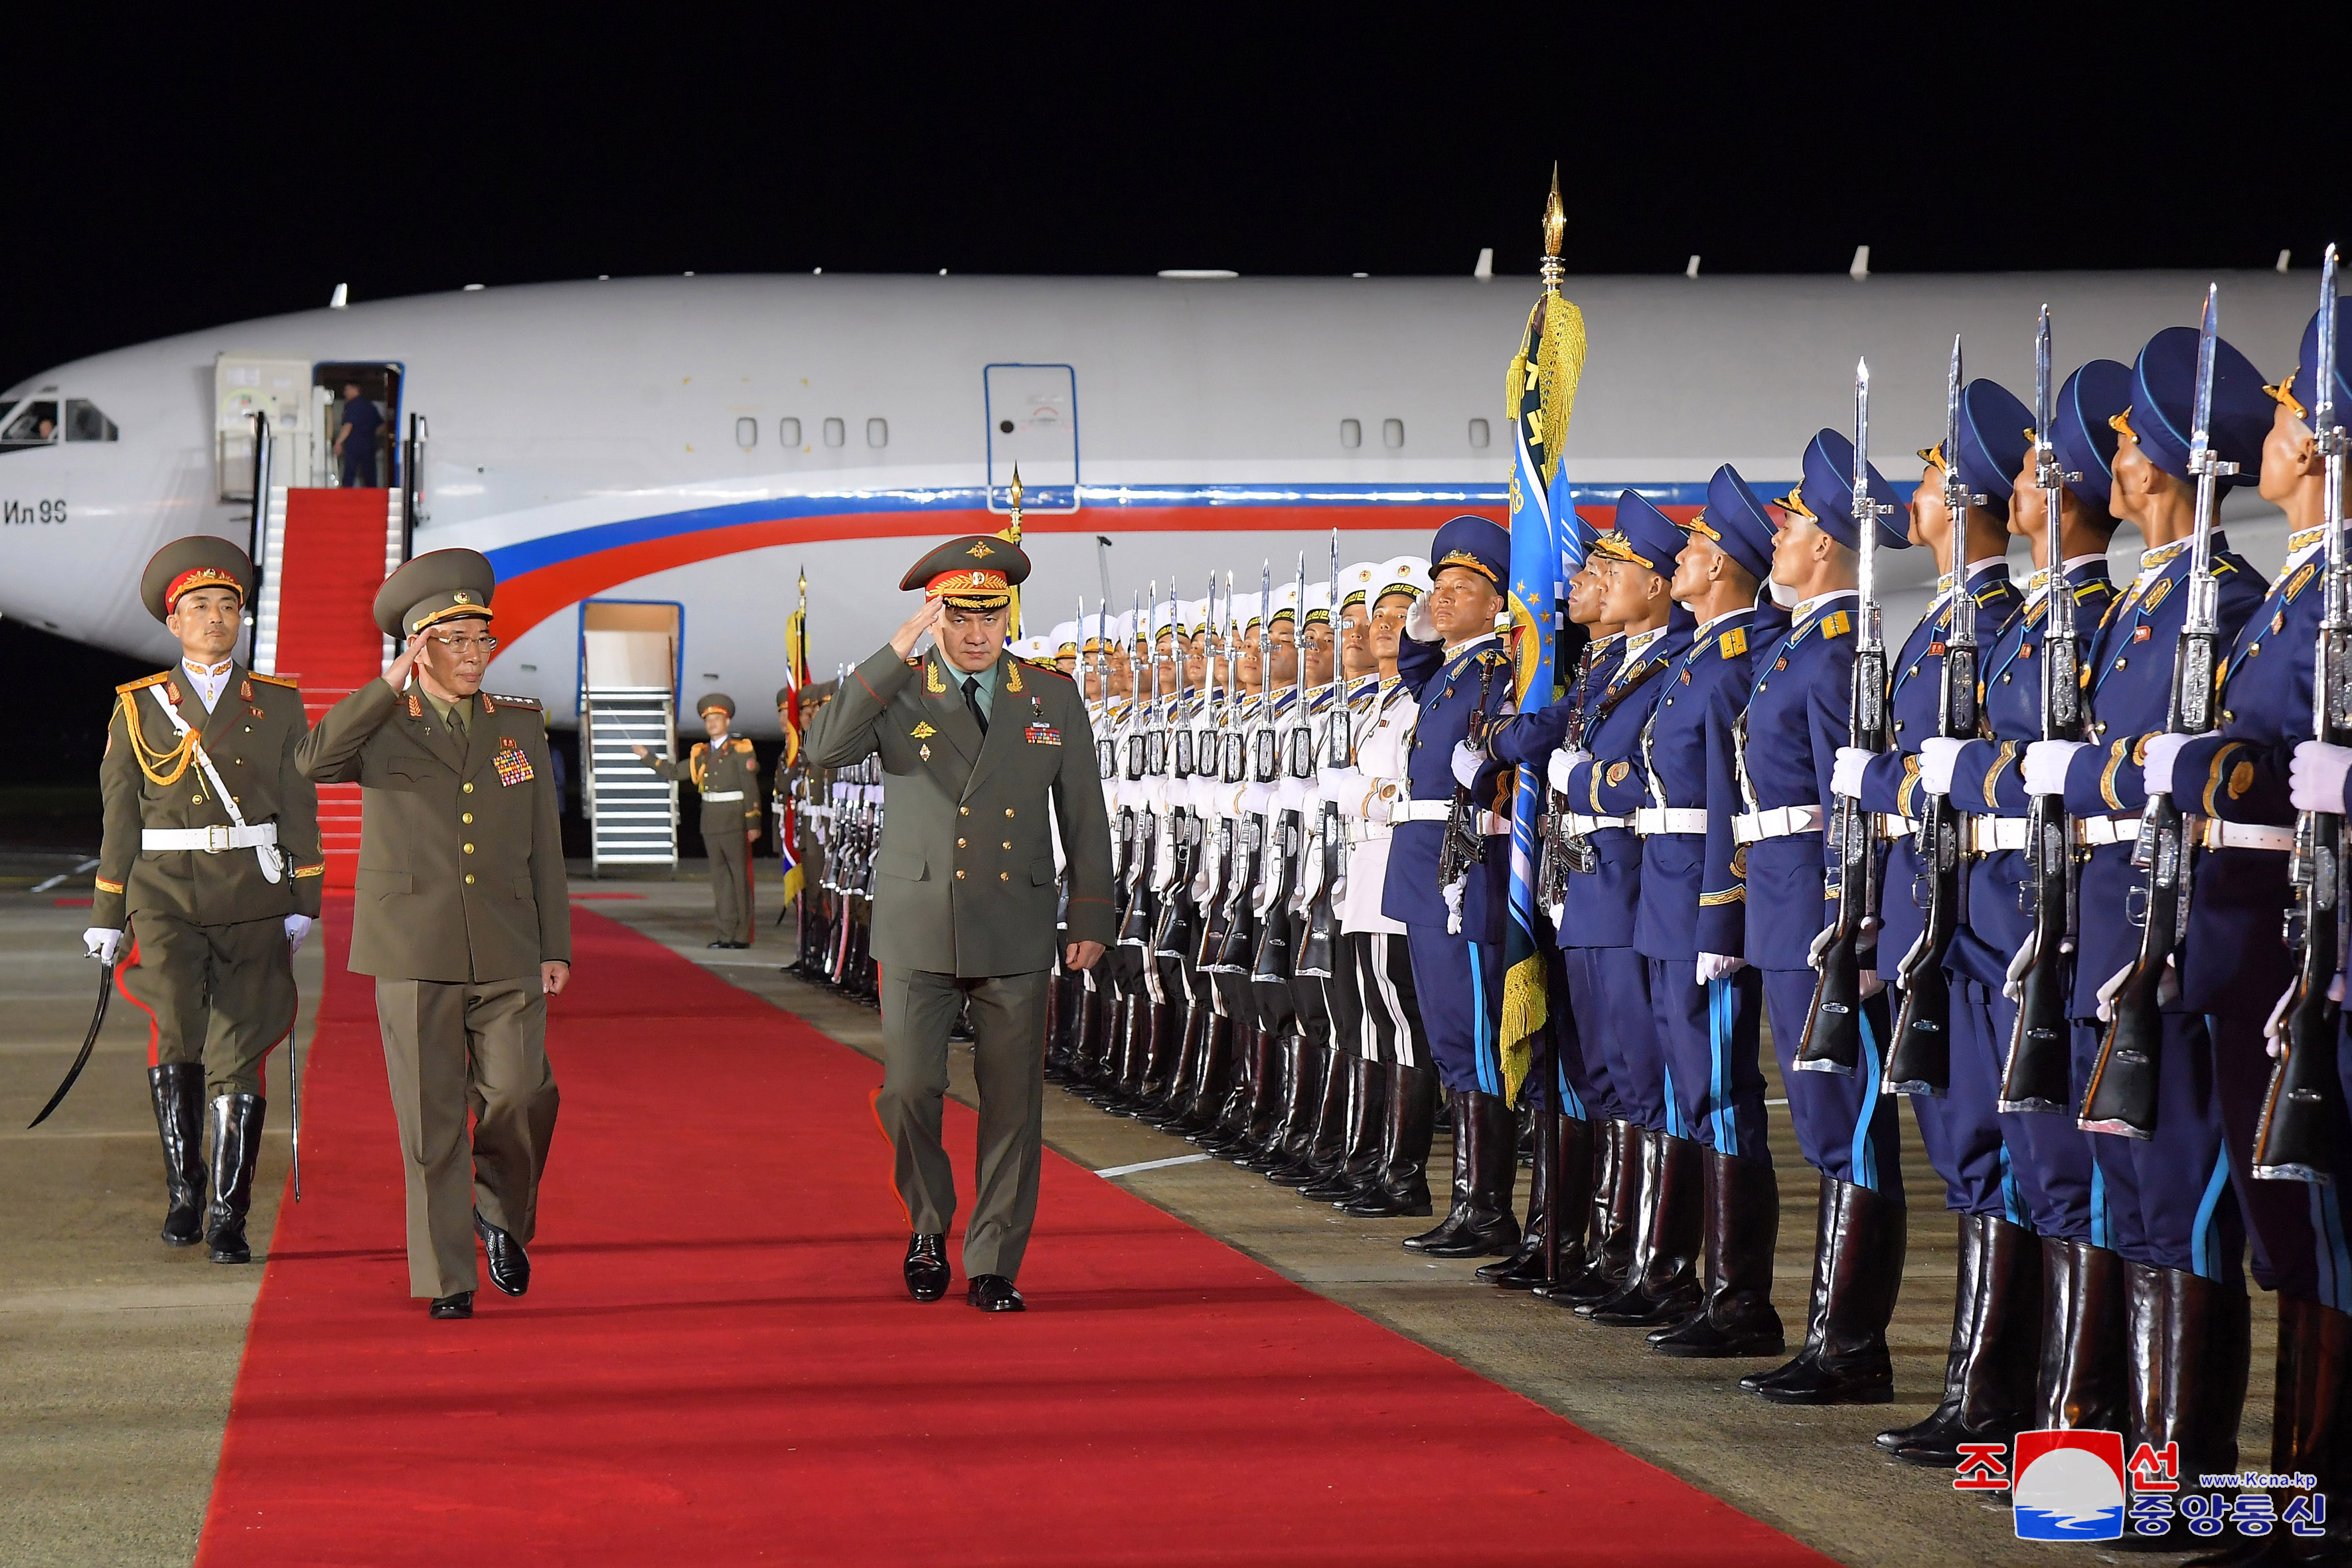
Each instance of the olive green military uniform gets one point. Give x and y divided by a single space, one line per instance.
729 778
460 896
964 900
209 962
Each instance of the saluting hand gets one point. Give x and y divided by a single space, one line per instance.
925 619
397 676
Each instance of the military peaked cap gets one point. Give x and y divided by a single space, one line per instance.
441 586
978 571
199 561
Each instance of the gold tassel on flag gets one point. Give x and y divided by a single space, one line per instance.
1010 534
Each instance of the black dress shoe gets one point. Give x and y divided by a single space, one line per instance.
718 944
994 1293
509 1264
460 1305
927 1267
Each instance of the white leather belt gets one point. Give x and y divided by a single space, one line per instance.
1895 825
2215 834
1581 825
719 794
1779 822
2091 831
1489 825
212 841
1988 834
1689 819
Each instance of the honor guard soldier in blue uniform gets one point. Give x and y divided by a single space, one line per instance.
2186 1304
2236 965
1996 1304
1591 754
2069 1201
1458 673
1706 1002
1798 715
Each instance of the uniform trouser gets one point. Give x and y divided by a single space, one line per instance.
1310 1002
222 996
1008 1025
2052 1162
1343 1003
451 1046
1460 986
1711 1039
2298 1230
1845 1125
2183 1214
1616 1016
1580 1085
1961 1129
2115 1191
730 878
1394 1035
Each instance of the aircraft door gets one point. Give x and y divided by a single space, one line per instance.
243 387
1032 421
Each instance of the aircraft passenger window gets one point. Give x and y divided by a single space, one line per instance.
788 431
1352 434
1478 437
747 432
85 423
878 432
36 425
836 433
1392 433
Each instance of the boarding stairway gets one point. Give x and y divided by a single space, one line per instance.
632 810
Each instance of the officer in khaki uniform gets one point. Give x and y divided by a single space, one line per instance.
728 775
210 856
974 745
461 915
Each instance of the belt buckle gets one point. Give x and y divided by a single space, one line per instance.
215 839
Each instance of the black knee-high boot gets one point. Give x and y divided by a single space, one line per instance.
178 1090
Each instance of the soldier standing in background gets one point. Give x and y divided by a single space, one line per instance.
725 771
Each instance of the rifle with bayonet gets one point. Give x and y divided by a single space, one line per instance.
1919 1053
1180 847
1288 842
1832 1036
1566 851
2038 1076
2296 1141
1139 823
2123 1090
1221 757
1318 945
1260 756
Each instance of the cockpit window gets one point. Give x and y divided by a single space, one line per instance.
85 423
34 425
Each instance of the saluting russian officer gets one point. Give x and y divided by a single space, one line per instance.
974 745
463 917
726 773
210 859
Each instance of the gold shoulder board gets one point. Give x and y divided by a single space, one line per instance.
153 679
289 684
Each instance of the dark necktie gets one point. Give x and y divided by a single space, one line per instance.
972 701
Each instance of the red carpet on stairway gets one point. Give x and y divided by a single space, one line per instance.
716 1362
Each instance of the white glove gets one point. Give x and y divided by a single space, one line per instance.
1419 624
1845 773
1344 787
100 943
2314 780
1467 763
1871 983
2046 763
2274 1030
2168 988
297 931
1938 757
1290 795
1821 945
1204 797
1564 762
1257 799
1918 943
1718 966
2155 774
2014 987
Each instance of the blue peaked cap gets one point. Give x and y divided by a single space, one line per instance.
1996 430
1734 521
2300 391
2164 405
1478 542
2081 428
1826 495
1643 535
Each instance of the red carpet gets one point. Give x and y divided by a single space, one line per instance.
327 637
718 1364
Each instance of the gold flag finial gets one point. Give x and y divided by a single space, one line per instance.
1016 502
1555 228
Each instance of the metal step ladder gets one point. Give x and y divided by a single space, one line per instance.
632 810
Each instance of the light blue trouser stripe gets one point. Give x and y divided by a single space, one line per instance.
1721 1112
1483 1049
1570 1103
2334 1258
2099 1237
1866 1153
2200 1245
1675 1126
2012 1197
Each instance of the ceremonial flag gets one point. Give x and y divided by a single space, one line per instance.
1540 391
795 677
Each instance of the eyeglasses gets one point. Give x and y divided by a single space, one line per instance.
466 645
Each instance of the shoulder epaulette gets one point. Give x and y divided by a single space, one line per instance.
742 744
1494 656
1836 624
1733 643
155 680
2083 594
1048 666
289 683
501 700
1994 590
2222 564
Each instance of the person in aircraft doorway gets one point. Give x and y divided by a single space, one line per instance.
356 438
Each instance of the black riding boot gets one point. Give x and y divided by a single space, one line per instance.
1181 1068
1616 1206
1093 1026
1848 1365
237 1150
1817 1299
1485 1162
1735 1316
2083 1385
1409 1129
1967 1286
1284 1107
178 1088
1361 1081
1212 1078
1662 1285
2308 1436
1324 1136
1988 1383
2189 1352
1526 1268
